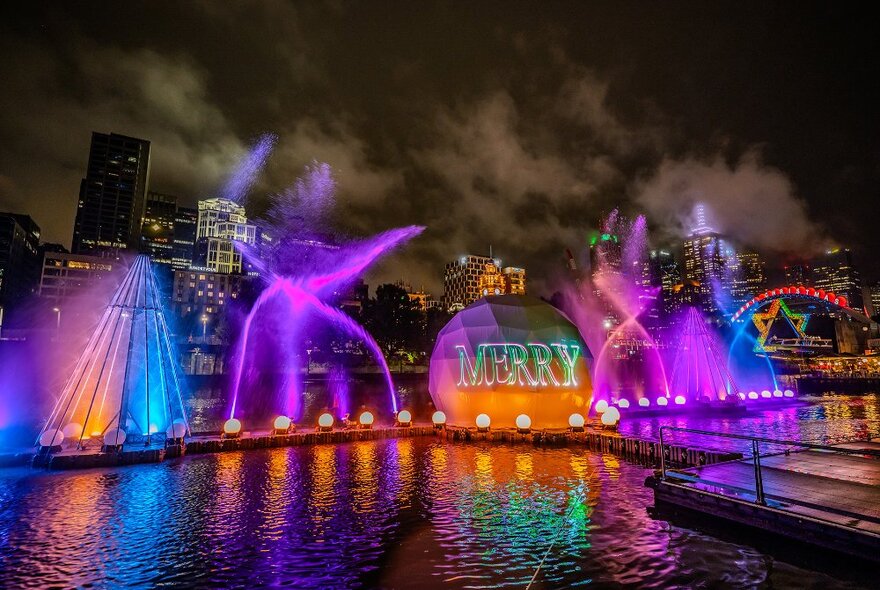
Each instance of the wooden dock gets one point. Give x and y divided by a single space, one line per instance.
826 497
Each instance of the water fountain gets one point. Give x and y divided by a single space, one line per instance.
303 271
125 386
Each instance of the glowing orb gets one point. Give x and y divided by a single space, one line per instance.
753 395
680 400
576 421
281 423
777 393
741 395
644 402
404 417
601 406
788 393
438 418
523 422
624 403
115 437
51 438
366 419
506 355
232 426
766 394
176 430
662 401
153 429
611 416
325 420
72 430
483 421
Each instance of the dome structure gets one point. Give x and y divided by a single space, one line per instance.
508 355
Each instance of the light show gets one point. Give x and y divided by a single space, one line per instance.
506 356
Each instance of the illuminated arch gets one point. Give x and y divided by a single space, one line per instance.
800 292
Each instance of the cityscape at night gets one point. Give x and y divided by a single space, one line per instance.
439 295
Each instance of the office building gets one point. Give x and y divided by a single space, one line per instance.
834 272
221 223
798 275
19 259
515 278
65 274
111 197
748 277
706 259
183 250
204 293
157 231
471 277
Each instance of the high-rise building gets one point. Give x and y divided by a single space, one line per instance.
66 274
111 196
871 297
19 258
221 223
492 282
748 277
157 231
183 251
835 272
661 270
706 256
516 280
470 278
606 255
798 275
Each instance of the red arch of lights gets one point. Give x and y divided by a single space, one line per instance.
797 291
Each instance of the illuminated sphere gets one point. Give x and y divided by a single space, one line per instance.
325 420
576 421
680 400
777 393
788 393
742 395
517 331
51 438
662 401
644 402
116 436
766 393
366 419
438 418
523 422
281 423
72 430
624 403
483 421
753 395
153 429
176 430
611 416
232 426
601 406
404 417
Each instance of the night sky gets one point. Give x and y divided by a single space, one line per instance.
510 124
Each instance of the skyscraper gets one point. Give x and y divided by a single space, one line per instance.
157 232
798 275
748 277
835 272
111 196
19 258
661 270
472 277
221 223
185 222
706 256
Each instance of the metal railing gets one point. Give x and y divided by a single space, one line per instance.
756 441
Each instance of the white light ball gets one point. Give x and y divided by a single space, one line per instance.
114 437
367 419
438 418
753 395
281 423
662 401
611 416
788 393
72 430
523 422
51 438
176 430
404 417
576 421
232 426
325 420
644 402
680 400
483 421
766 394
742 395
777 393
601 406
624 403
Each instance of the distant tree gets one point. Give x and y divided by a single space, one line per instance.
436 319
395 321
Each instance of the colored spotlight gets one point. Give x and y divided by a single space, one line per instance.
576 421
644 402
523 424
611 417
439 419
788 393
325 422
662 401
483 423
404 418
601 406
624 403
366 420
680 400
232 428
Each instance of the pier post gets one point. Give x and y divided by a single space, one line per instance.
759 483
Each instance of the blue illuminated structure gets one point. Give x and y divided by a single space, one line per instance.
125 385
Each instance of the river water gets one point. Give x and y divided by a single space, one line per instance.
389 514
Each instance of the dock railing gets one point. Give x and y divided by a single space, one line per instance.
755 441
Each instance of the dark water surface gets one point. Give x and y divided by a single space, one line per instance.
393 514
